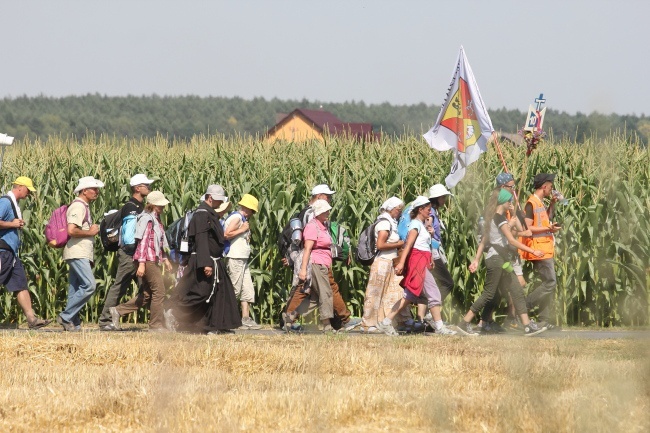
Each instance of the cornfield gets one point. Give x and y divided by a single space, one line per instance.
602 253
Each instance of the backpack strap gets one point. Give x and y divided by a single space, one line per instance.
87 217
11 202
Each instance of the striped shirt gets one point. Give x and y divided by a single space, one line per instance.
146 250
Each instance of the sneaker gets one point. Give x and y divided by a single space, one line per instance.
513 324
372 330
467 328
328 329
67 326
445 331
533 329
108 328
430 323
170 321
115 317
352 323
159 330
248 323
221 332
38 323
387 329
492 328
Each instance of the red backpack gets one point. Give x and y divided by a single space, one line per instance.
56 229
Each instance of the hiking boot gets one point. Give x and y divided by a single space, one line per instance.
466 328
445 331
492 328
170 321
533 329
67 326
387 329
248 323
352 323
115 317
38 323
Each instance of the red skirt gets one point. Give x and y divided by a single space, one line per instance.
417 264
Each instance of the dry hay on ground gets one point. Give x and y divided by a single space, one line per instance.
136 381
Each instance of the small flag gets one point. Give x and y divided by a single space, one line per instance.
463 123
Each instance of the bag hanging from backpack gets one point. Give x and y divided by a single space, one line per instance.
340 241
367 247
56 229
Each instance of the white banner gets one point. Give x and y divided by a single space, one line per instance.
463 124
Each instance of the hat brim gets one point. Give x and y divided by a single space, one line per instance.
224 207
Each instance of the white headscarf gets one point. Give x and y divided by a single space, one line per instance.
391 204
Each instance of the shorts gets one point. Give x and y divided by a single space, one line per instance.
242 282
12 273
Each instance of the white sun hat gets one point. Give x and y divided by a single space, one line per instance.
320 206
88 182
438 190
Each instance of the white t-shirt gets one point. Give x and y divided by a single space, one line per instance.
240 247
389 226
423 241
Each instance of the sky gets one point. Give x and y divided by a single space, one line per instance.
584 56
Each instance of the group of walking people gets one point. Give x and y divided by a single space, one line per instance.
214 289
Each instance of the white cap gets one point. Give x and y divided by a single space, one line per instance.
419 201
157 198
322 189
216 191
140 179
320 206
438 190
88 182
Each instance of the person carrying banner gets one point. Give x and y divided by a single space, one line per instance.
498 237
538 219
12 272
126 269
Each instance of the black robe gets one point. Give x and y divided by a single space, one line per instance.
221 311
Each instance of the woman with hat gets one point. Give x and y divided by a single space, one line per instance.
150 255
317 251
498 237
383 289
237 231
415 262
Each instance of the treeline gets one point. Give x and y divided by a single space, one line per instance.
185 116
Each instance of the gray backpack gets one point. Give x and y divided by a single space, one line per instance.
367 247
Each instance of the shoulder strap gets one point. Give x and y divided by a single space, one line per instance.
11 202
87 217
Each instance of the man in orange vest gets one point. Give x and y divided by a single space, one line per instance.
543 239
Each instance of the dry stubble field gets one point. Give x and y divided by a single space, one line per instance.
135 381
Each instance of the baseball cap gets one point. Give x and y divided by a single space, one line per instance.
25 181
157 198
542 178
216 191
322 189
140 179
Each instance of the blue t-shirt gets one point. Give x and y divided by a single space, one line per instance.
10 236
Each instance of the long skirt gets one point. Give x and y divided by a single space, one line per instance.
382 293
205 304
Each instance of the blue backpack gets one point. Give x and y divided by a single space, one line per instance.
403 223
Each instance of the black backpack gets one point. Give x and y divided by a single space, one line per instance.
367 246
109 231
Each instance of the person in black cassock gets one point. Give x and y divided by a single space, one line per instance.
204 299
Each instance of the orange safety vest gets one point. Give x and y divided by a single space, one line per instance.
544 241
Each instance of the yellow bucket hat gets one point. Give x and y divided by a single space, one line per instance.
25 181
249 201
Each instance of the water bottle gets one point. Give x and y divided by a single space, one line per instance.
559 197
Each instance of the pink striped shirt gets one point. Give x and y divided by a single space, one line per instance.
146 251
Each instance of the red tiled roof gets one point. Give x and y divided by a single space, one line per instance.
324 120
